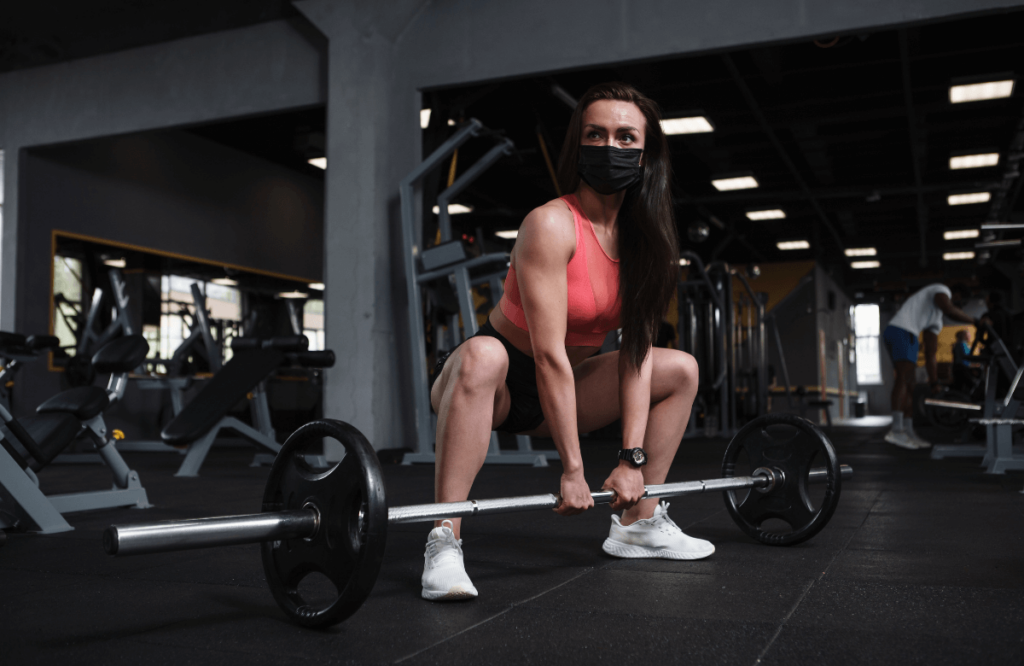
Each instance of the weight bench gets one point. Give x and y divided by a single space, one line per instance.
999 417
15 350
242 378
29 444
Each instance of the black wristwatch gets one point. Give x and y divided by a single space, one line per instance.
636 457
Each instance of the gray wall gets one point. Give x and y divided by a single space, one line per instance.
169 191
380 56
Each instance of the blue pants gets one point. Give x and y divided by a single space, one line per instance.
902 345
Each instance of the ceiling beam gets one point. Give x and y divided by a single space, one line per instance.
794 172
915 148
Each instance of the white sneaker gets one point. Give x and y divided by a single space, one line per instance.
444 573
900 439
654 537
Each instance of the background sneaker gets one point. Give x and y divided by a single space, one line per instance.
444 572
901 439
656 537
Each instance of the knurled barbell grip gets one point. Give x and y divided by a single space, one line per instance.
175 535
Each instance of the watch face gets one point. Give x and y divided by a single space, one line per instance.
638 456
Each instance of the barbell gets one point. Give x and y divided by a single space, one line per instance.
334 520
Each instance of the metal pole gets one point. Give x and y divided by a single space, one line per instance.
279 525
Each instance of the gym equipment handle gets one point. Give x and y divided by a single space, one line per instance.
174 535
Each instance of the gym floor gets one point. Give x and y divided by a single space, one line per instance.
923 562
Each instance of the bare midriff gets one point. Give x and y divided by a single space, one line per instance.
520 339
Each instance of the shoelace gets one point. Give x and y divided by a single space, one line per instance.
445 549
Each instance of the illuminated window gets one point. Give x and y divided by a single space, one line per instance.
866 327
67 300
313 323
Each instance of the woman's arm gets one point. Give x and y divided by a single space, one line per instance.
635 400
546 243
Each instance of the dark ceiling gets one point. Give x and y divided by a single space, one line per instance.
42 32
831 129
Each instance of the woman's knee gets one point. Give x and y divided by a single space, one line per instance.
481 365
685 372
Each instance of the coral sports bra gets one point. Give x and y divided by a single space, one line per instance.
593 280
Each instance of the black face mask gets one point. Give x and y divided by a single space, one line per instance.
608 169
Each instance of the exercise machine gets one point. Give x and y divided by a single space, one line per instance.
31 443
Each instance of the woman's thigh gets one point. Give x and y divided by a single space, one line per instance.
597 386
478 366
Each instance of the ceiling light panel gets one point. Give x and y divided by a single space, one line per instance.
860 251
737 183
689 125
508 234
968 198
454 209
958 234
976 92
768 214
424 118
973 161
318 162
957 256
793 245
292 294
225 282
319 286
864 264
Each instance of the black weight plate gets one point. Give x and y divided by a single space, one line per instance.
787 443
349 545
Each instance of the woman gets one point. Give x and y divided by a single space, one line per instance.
581 264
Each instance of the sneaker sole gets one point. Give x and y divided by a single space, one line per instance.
625 550
457 593
910 446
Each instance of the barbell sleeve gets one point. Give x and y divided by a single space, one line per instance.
174 535
170 535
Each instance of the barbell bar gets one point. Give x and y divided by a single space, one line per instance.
172 535
334 520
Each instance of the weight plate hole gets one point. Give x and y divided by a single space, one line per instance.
317 591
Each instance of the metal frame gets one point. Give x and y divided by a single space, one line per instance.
458 270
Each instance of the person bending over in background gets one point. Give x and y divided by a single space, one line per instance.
582 263
922 312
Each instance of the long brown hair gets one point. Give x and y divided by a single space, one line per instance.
648 246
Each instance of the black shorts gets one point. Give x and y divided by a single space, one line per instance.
524 414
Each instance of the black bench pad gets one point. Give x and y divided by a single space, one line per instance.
83 402
246 369
48 435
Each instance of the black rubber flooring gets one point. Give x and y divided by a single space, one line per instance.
923 563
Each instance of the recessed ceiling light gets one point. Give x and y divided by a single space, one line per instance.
509 234
968 198
976 92
319 286
115 263
793 245
737 183
451 122
689 125
424 118
292 294
973 161
860 251
955 256
865 264
684 262
225 282
454 209
770 214
957 234
318 162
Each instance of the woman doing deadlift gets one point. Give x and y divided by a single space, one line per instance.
585 264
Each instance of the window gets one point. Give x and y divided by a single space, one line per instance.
177 312
313 323
866 327
67 301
